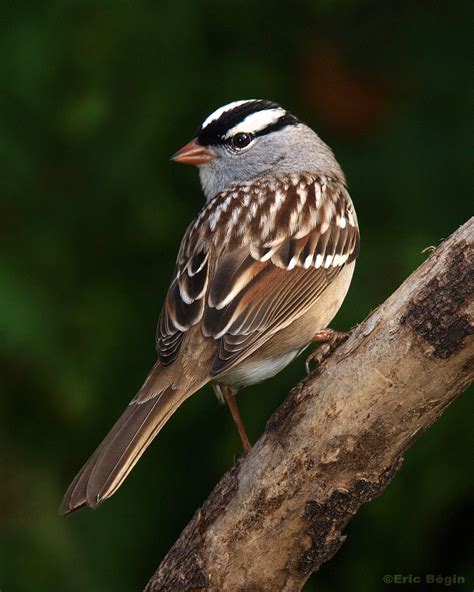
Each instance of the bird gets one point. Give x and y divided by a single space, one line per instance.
260 274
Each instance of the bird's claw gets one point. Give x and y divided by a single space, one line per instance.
318 355
329 340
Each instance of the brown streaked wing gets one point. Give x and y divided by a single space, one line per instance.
256 258
184 305
270 302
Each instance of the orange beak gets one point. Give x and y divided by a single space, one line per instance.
193 153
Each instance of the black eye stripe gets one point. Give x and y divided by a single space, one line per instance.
287 119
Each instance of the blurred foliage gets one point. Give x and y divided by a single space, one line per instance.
94 98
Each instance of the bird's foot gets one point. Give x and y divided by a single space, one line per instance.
329 340
229 397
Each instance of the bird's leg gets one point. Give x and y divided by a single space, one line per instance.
229 397
329 339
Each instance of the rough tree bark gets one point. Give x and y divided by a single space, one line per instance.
337 440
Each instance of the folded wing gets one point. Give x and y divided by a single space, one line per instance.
256 259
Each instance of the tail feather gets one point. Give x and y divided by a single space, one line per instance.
121 449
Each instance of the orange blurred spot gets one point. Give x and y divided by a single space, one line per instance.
348 100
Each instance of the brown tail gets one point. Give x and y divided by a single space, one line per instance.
121 449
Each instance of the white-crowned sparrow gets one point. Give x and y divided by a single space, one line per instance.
260 273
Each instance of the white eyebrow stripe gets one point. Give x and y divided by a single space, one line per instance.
218 112
255 122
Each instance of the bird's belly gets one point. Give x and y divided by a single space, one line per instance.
254 371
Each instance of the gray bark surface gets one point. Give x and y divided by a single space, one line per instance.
337 440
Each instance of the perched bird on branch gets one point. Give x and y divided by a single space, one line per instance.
260 274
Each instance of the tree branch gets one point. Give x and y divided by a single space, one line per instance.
337 440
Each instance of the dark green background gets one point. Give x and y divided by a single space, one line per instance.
94 97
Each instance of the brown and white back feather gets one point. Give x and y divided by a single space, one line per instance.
233 270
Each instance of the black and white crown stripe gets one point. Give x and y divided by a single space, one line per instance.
215 115
254 116
257 122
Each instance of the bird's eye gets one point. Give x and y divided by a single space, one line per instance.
241 140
